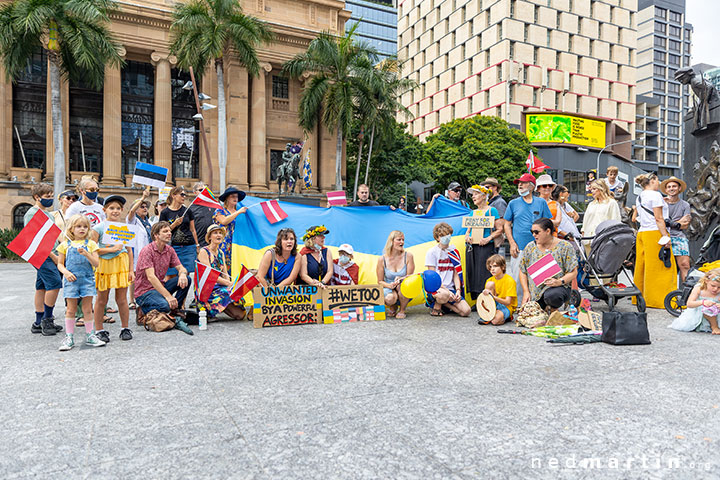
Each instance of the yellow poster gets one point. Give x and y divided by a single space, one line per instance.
558 128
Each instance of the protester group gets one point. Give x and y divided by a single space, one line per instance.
156 274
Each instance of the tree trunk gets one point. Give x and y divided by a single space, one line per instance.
367 166
222 124
357 167
57 125
338 158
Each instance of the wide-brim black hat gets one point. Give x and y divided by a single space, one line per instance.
230 191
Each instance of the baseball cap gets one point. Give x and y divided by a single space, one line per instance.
347 248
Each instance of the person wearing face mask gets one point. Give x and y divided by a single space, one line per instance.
88 206
315 258
345 271
520 214
440 259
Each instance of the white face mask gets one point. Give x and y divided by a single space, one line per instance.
317 247
344 259
445 240
523 193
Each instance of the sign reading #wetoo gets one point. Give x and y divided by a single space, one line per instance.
284 306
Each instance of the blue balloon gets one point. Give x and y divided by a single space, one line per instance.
431 281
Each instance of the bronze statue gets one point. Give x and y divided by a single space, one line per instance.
704 91
704 199
288 170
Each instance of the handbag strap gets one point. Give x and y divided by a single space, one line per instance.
272 267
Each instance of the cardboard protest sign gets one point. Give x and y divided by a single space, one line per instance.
117 232
164 194
284 306
477 225
353 303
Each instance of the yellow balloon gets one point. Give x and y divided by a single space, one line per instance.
411 287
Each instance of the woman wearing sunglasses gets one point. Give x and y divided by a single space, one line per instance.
182 222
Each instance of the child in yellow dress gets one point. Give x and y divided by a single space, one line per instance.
114 272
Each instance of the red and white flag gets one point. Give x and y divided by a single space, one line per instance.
534 164
207 199
273 212
205 279
245 282
543 269
35 242
337 199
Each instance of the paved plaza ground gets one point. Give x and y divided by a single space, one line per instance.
415 398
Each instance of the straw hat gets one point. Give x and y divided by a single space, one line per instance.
664 183
486 307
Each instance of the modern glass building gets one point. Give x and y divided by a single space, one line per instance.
378 23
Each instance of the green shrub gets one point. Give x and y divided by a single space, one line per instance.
6 236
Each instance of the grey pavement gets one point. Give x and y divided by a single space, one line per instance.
415 398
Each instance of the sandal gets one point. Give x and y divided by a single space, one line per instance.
132 306
111 310
79 322
400 315
390 311
436 313
108 319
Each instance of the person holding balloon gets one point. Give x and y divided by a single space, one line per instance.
392 268
449 295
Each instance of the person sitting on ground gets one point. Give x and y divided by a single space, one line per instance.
315 258
392 268
450 293
363 198
153 290
703 306
48 281
226 217
503 290
679 220
553 292
280 265
213 256
345 271
454 192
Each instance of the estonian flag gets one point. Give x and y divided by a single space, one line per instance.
149 174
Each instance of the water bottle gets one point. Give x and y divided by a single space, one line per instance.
202 319
573 312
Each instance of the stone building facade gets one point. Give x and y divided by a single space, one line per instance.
143 113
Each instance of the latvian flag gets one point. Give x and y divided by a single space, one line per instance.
337 198
543 269
273 212
207 199
206 278
245 282
35 242
149 174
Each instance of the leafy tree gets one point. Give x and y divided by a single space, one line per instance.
79 45
341 69
398 161
469 150
203 31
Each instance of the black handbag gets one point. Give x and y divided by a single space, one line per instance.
625 328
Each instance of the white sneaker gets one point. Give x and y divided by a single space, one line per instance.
93 341
67 344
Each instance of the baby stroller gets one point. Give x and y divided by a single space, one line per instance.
611 246
676 300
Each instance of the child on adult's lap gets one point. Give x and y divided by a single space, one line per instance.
703 306
76 258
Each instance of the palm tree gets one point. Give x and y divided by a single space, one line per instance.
384 104
205 30
78 43
340 68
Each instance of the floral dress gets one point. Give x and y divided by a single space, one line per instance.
220 296
226 245
563 254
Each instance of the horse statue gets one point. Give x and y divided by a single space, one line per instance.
288 171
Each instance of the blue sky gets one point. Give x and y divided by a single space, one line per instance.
704 16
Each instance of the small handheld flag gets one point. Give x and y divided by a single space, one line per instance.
336 198
207 199
149 174
245 282
307 171
35 242
273 212
534 164
206 280
543 269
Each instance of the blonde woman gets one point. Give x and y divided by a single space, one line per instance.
315 259
395 264
603 207
652 276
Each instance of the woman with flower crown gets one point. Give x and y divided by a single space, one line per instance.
476 254
315 259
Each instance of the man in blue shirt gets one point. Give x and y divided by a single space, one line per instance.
520 214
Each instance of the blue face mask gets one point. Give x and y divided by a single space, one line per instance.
46 202
91 195
344 259
445 240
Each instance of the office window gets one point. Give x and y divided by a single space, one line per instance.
536 14
659 42
659 85
673 102
673 145
658 56
674 46
659 71
535 55
673 117
674 60
526 32
675 31
673 131
675 17
674 88
660 28
660 13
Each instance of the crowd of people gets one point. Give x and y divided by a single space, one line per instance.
157 273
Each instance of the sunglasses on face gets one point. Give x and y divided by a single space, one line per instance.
535 232
183 194
545 186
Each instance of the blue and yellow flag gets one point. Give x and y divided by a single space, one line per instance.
307 171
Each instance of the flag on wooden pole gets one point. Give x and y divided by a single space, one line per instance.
206 280
273 212
35 242
244 284
337 198
207 199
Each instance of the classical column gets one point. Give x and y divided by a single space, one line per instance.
326 161
258 127
162 130
236 94
6 132
112 127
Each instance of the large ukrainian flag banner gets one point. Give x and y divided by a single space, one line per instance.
365 228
